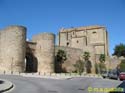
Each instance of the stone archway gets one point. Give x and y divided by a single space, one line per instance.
30 63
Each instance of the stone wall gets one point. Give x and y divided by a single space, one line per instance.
114 62
30 47
81 37
31 63
41 50
73 55
12 48
93 39
44 52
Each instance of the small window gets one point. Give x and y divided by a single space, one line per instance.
77 41
94 32
67 43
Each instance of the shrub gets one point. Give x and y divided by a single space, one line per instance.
79 66
60 58
122 66
87 62
102 67
97 68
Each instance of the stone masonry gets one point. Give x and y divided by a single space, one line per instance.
38 55
12 48
93 39
19 55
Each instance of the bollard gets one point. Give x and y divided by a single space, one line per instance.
11 72
19 73
4 72
70 74
50 73
94 75
39 73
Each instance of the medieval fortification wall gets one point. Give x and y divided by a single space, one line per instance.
12 48
13 51
73 55
16 53
44 52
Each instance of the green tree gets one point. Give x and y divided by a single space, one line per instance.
101 65
102 58
79 66
97 70
119 50
60 58
86 56
87 62
122 66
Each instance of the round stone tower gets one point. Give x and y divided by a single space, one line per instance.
45 52
12 48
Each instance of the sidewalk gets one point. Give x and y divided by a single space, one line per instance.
53 75
59 76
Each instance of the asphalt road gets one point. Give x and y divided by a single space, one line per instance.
41 85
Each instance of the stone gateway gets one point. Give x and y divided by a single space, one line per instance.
38 55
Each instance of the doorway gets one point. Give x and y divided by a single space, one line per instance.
30 63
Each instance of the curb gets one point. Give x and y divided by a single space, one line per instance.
60 77
6 86
54 75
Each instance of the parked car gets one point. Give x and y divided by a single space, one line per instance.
113 74
105 74
122 76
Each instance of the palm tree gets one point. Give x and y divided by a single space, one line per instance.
79 66
60 58
88 65
102 58
101 64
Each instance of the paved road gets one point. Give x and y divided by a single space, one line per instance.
40 85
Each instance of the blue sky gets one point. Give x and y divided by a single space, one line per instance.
51 15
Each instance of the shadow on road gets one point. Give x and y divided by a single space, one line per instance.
122 86
1 82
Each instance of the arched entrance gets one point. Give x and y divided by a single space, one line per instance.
30 63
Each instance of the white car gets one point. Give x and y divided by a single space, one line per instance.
105 74
113 74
